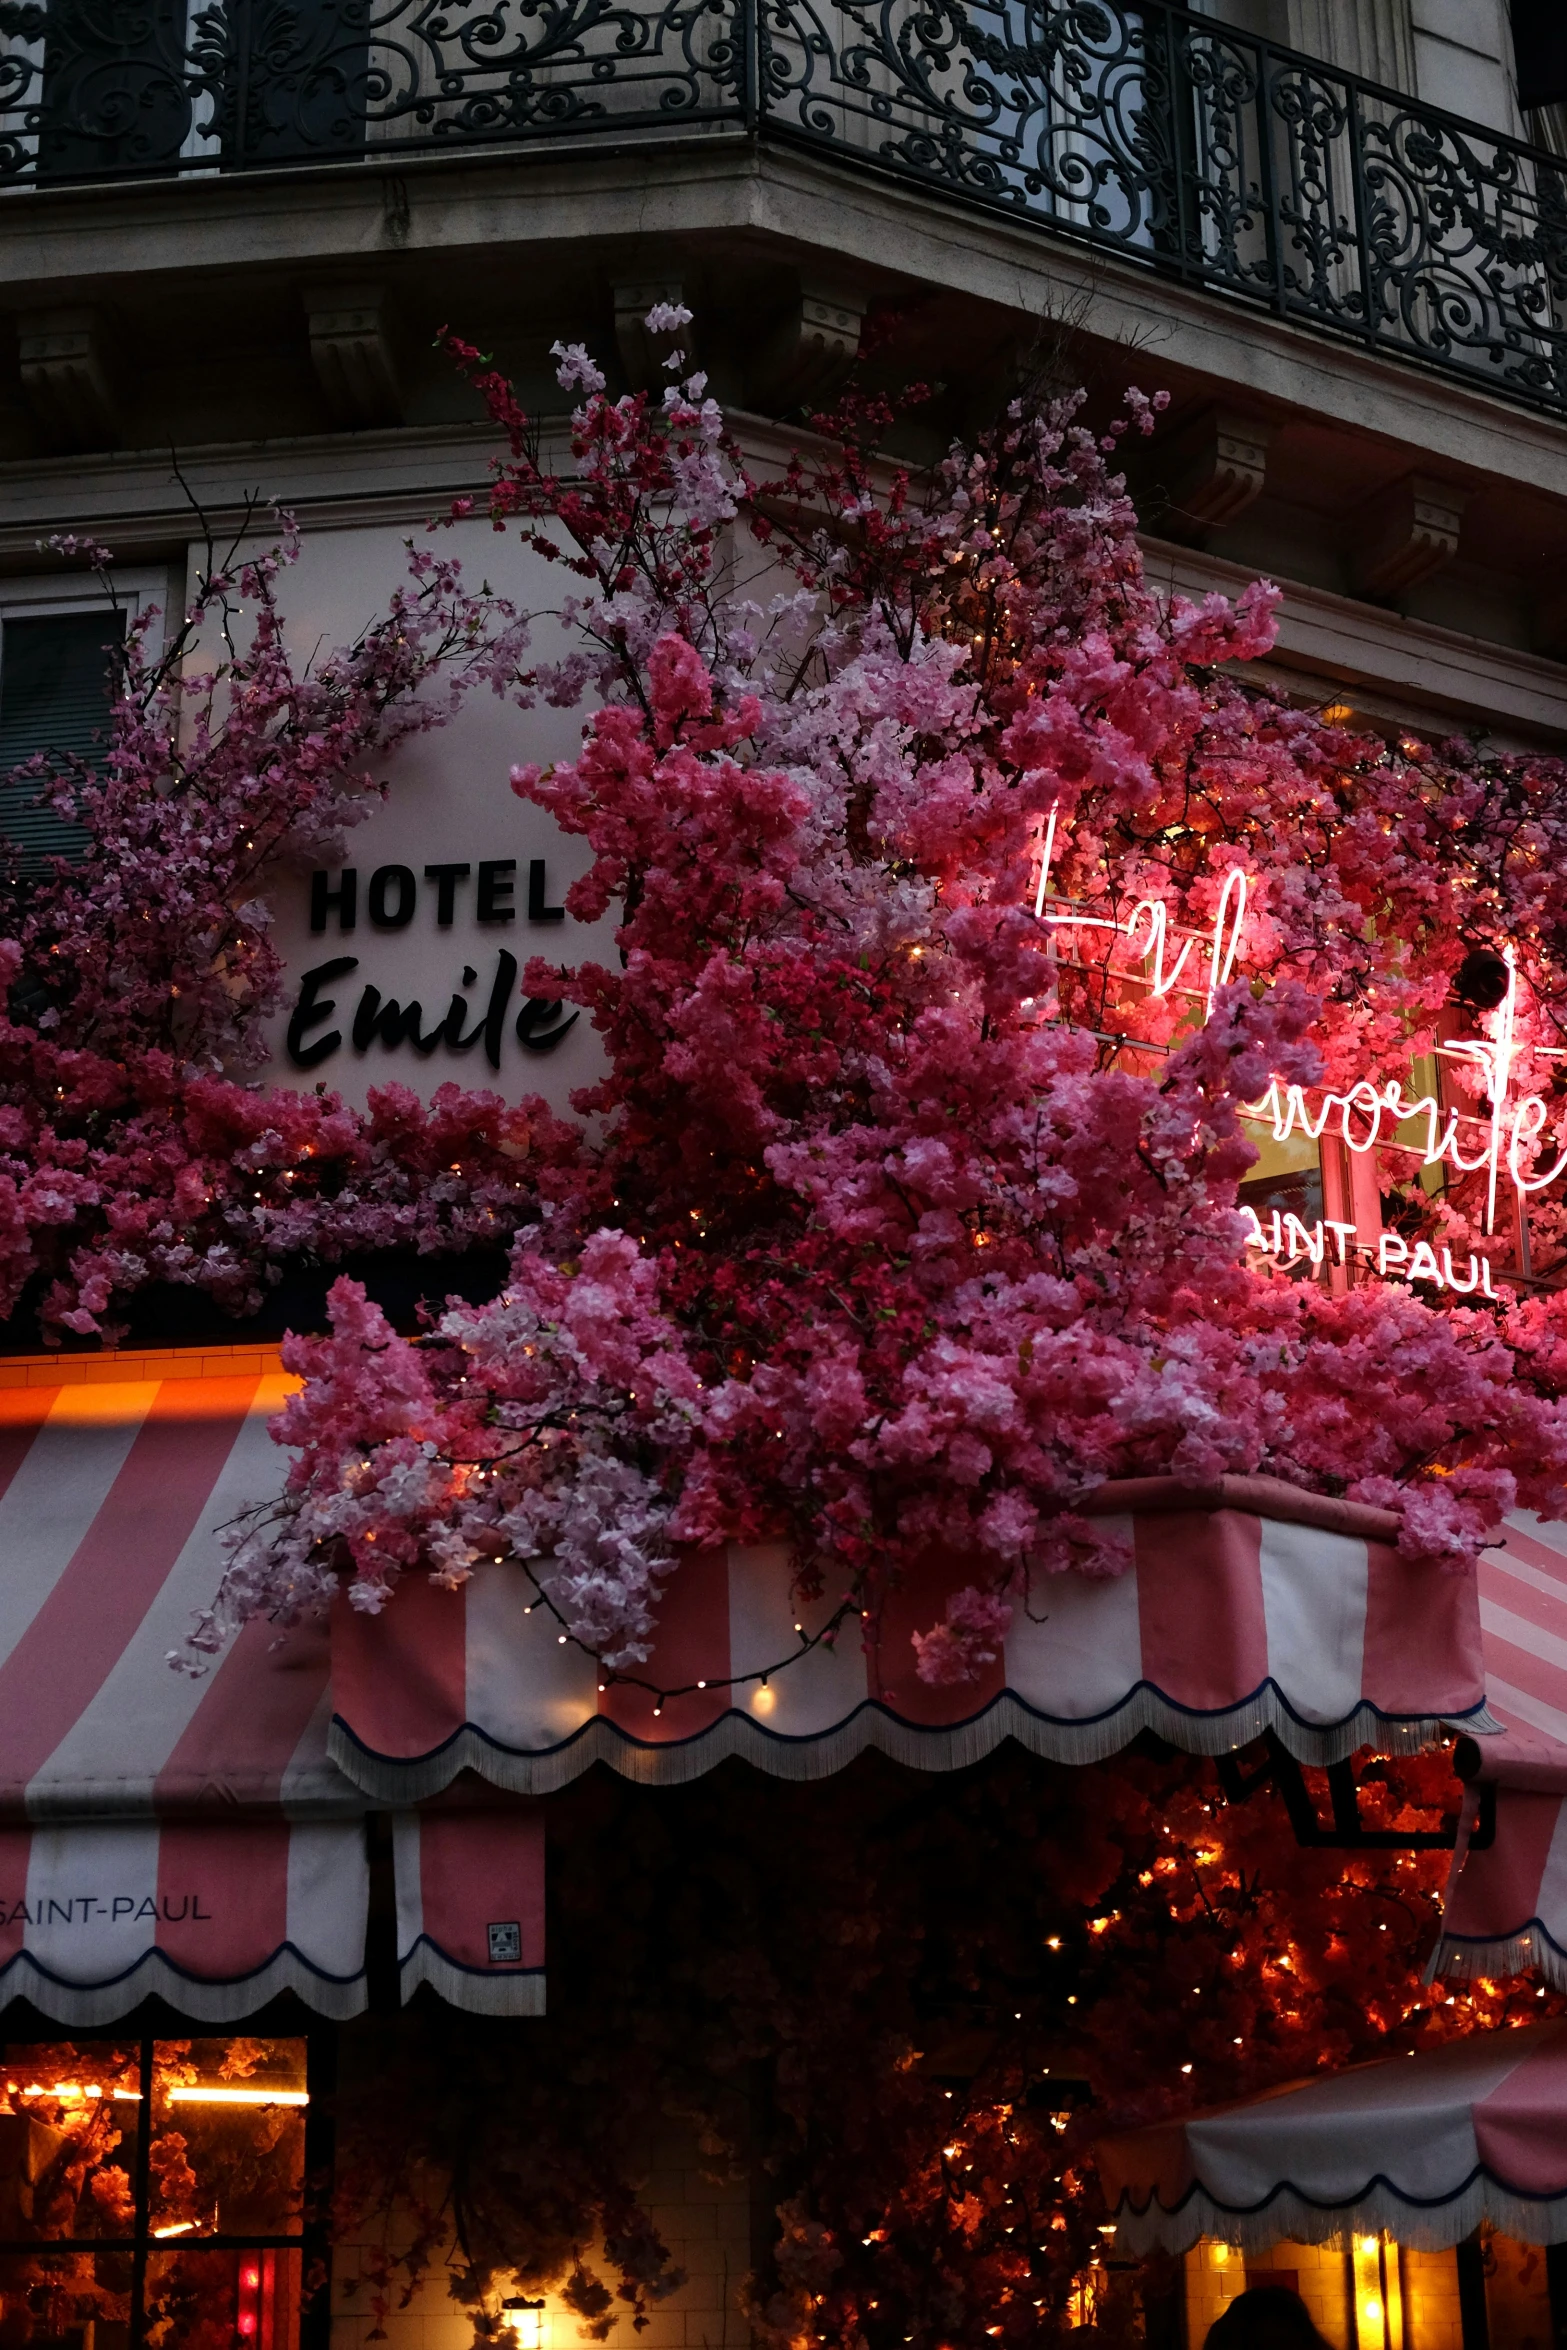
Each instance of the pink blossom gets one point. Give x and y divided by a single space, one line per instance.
900 1221
976 1624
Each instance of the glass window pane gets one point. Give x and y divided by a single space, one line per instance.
53 2300
203 2300
228 2138
69 2113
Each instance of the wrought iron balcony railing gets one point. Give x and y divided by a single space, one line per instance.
1190 149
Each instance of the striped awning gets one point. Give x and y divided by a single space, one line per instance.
205 1837
1248 1605
189 1837
1426 2146
1523 1618
1506 1908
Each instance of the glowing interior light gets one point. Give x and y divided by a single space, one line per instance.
178 2227
201 2096
525 2319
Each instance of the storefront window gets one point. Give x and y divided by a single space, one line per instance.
151 2194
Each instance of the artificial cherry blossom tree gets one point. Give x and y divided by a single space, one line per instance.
905 1215
137 1143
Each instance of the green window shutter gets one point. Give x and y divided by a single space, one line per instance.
55 695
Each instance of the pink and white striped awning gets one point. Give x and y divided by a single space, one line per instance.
1506 1909
1249 1606
205 1838
470 1905
191 1838
1425 2146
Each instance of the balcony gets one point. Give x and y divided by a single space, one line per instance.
1183 147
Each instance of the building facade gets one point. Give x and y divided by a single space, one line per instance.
1333 232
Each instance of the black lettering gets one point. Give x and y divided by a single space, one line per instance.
495 890
171 1915
323 898
312 1008
197 1911
123 1905
456 1012
446 878
538 911
391 1024
384 878
501 992
148 1909
533 1024
59 1909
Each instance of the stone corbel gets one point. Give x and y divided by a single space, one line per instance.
811 347
352 354
643 352
1216 467
68 378
1411 531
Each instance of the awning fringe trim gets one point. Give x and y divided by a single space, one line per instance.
1291 2217
520 1992
83 2005
391 1779
1528 1951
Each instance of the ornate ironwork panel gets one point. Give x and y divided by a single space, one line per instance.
1202 152
1135 126
102 88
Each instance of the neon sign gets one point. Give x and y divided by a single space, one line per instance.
1290 1241
1512 1124
1224 945
1512 1129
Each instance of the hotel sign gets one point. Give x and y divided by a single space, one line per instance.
333 1010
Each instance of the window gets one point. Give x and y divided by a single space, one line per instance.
1540 49
55 695
152 2192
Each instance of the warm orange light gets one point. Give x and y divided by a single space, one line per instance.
200 2096
1379 2298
